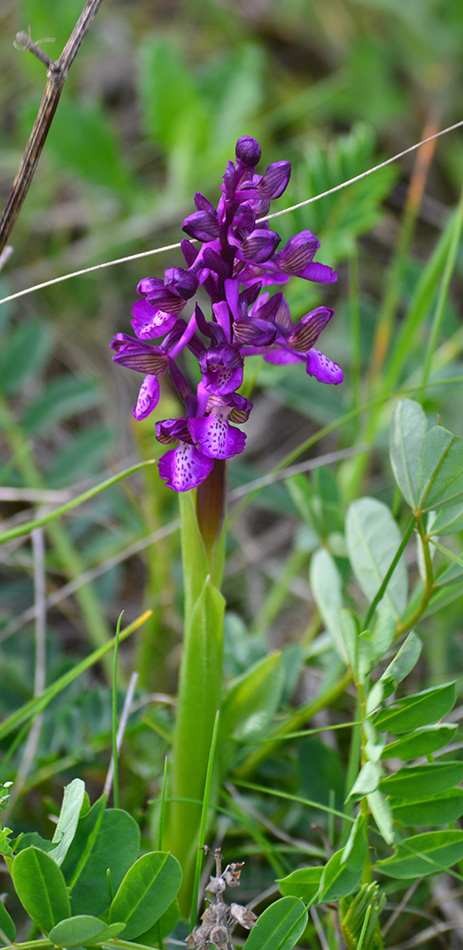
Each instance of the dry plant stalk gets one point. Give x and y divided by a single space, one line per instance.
56 77
219 918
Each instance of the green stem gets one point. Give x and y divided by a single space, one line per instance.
428 590
367 873
200 684
395 560
352 768
33 944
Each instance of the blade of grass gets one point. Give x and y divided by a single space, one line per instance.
162 805
29 526
394 282
66 552
443 294
294 798
203 822
114 716
35 705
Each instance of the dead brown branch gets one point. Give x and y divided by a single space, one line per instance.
56 77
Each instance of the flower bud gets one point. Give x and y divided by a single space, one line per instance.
248 151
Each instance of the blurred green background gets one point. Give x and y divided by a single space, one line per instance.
150 113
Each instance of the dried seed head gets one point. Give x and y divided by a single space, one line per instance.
232 872
216 885
243 915
199 938
220 937
219 918
215 913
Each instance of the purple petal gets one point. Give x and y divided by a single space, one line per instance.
229 183
320 273
251 331
253 272
232 293
274 180
215 262
238 406
260 245
149 322
249 295
142 357
323 369
216 438
221 369
297 253
148 397
149 285
201 225
202 203
221 313
184 467
283 316
189 251
268 308
164 299
306 332
282 357
244 221
181 282
171 430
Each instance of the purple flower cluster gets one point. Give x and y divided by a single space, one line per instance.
237 263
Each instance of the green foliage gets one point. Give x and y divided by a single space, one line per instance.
252 701
145 893
303 883
7 924
342 873
41 888
64 396
73 804
372 540
83 929
360 918
97 849
24 353
424 854
343 216
92 854
420 709
280 926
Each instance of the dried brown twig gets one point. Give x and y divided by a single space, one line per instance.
56 77
220 918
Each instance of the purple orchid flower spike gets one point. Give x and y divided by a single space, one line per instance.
240 268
